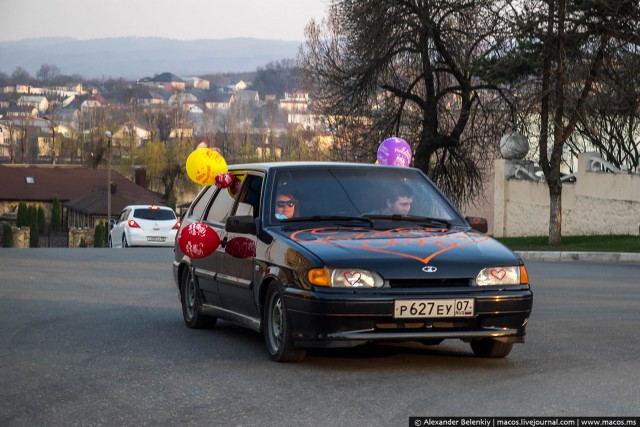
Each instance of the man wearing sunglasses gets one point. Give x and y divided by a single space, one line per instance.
285 206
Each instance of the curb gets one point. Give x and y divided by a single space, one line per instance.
594 257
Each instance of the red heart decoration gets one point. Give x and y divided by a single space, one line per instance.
499 273
352 278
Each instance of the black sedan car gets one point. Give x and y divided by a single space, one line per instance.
339 254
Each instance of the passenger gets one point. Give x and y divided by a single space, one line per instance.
397 202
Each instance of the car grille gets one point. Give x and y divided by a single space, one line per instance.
428 283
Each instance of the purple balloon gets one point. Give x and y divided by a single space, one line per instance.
394 152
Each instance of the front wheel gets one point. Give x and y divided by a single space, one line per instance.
491 348
277 335
192 303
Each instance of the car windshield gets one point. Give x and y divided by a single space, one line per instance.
376 193
154 214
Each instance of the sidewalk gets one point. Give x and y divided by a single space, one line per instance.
569 256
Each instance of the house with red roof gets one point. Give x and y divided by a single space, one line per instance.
82 192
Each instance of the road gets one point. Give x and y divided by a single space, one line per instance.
94 337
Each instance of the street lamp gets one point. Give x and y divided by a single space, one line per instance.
107 134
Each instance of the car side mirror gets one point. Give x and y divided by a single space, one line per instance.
112 222
243 224
477 223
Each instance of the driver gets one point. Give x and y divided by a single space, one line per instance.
286 205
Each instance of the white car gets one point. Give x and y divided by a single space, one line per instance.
144 225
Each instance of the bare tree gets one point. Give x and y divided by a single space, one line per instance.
411 68
611 123
48 73
575 40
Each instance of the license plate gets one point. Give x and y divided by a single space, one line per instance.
430 308
156 239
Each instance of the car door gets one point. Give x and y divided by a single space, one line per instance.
236 267
215 216
118 229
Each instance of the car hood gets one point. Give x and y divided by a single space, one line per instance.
405 252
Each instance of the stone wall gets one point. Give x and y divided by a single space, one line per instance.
596 203
77 234
20 236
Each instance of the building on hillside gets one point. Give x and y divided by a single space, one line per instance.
238 86
165 80
219 101
196 83
22 111
38 101
131 135
296 102
150 97
247 97
96 101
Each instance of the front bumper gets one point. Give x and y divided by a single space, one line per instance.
340 319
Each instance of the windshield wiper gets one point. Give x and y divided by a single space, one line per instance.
420 219
319 218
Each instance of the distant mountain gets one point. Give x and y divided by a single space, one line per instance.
137 57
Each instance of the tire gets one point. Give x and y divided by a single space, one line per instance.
125 244
277 335
192 303
491 348
110 242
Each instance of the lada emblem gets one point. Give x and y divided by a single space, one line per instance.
429 269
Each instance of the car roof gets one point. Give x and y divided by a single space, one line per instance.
147 207
308 164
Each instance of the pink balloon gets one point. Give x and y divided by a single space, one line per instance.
198 240
395 152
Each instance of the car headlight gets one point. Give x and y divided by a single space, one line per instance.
496 276
344 278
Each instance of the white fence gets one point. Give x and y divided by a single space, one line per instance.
598 199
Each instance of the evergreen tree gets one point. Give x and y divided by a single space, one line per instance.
23 215
34 230
7 236
56 215
41 221
98 235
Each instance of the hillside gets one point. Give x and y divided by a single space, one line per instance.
134 58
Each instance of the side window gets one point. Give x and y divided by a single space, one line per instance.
124 215
201 204
222 204
249 199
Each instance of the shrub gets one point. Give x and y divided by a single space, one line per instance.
98 236
7 236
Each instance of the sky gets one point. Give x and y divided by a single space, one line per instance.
174 19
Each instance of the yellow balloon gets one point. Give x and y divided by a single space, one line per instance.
204 164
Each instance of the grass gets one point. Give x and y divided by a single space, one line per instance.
608 243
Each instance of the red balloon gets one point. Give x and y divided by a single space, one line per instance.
235 186
224 180
198 240
241 247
